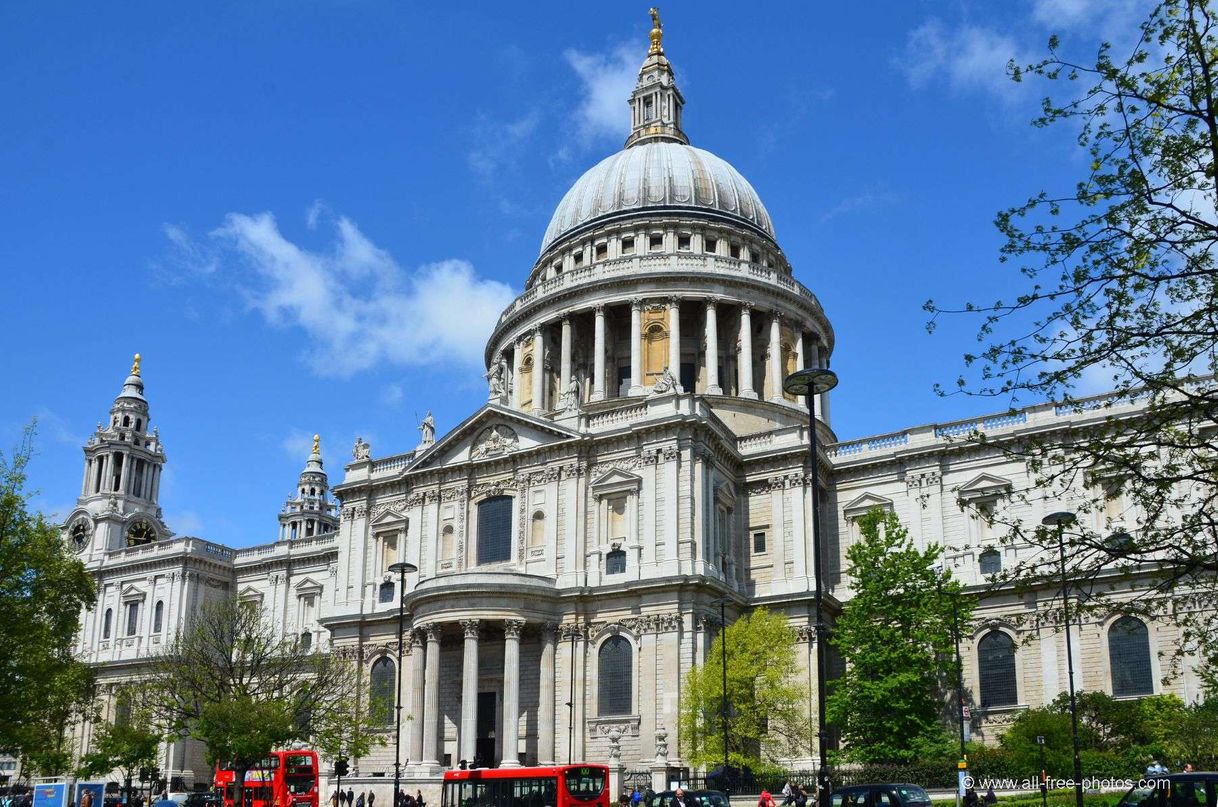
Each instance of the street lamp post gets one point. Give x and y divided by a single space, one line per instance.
942 572
727 787
809 383
401 568
1061 520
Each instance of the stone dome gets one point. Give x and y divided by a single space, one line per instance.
658 175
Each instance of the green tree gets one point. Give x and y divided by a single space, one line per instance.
357 729
126 744
1118 286
229 681
43 589
766 699
895 636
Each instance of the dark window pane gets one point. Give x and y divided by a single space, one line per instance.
990 562
386 592
615 562
759 542
1129 655
380 692
615 672
495 530
996 666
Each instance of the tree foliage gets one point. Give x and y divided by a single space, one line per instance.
230 681
767 717
125 744
896 638
43 589
1120 289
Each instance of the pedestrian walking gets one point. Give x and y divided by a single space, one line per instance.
371 798
350 796
359 801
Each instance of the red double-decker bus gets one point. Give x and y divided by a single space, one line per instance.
284 779
554 786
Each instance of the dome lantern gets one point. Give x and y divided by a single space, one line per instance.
655 104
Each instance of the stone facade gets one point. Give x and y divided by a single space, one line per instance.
636 461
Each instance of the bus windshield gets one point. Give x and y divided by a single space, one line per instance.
585 784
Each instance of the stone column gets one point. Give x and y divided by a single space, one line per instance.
674 337
545 702
564 366
598 356
511 693
775 367
467 739
418 684
431 698
799 359
539 370
517 356
712 349
124 473
745 364
636 346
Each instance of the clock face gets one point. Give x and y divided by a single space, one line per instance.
80 536
141 532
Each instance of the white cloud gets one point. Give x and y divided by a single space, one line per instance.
866 200
298 444
185 522
392 395
608 78
357 306
967 57
500 145
56 429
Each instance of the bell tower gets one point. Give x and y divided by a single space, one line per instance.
310 510
124 458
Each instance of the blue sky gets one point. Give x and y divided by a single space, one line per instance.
306 215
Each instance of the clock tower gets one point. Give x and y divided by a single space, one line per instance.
117 507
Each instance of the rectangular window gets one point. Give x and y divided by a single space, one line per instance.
617 518
133 618
655 243
688 376
758 542
602 250
649 108
628 245
578 258
710 245
683 242
495 530
734 251
615 562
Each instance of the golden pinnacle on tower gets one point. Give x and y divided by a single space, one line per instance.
657 31
135 365
317 444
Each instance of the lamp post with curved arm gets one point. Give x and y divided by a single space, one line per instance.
809 383
1061 520
400 568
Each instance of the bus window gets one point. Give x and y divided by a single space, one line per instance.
585 784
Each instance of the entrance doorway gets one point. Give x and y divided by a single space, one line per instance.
484 746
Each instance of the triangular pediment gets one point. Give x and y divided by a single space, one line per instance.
307 585
861 504
492 432
249 593
388 518
131 592
616 479
984 485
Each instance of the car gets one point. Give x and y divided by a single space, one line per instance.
1194 789
202 799
888 794
693 798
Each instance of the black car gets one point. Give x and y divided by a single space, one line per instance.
1196 789
202 799
880 795
693 798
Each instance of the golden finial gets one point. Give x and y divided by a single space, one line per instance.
135 365
657 32
317 444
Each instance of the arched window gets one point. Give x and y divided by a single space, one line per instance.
107 622
386 592
996 669
1129 656
122 708
537 535
306 640
380 692
615 675
126 420
158 616
495 530
990 561
138 424
448 547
